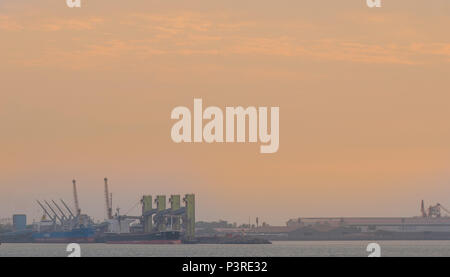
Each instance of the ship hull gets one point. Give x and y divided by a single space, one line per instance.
167 237
81 235
145 242
64 240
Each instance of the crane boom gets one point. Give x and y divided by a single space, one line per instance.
442 207
45 211
75 198
53 211
67 207
59 209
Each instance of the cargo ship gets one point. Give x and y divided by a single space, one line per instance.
76 235
163 237
22 236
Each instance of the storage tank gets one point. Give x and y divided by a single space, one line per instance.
19 222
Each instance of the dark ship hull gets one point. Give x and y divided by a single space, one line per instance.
164 237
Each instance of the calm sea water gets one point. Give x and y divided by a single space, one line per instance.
285 248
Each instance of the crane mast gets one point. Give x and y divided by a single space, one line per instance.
75 198
108 200
422 209
110 203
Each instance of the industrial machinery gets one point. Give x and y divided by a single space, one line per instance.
175 218
433 211
156 224
56 219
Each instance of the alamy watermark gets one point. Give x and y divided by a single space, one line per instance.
213 131
374 249
74 250
73 3
77 3
373 3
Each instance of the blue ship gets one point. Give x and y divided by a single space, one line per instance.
76 235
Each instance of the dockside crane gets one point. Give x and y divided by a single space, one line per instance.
67 208
61 211
442 207
75 198
108 200
53 211
46 212
433 211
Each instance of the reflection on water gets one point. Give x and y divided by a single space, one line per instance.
285 248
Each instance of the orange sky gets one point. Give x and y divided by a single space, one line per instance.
363 96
